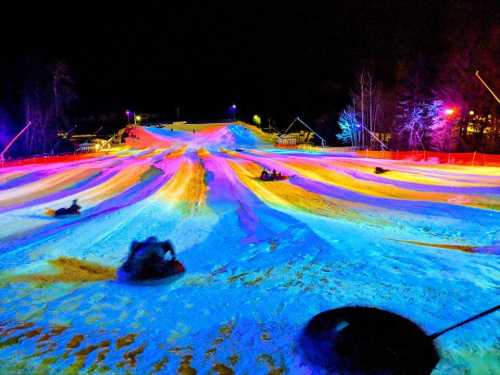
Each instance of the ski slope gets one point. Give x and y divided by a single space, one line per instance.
262 258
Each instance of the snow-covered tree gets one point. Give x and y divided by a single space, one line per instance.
349 127
411 129
425 124
443 135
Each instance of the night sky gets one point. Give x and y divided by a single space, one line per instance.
278 61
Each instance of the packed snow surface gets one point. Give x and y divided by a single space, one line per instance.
262 257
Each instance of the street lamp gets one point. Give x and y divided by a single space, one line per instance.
137 119
233 111
449 111
471 112
128 113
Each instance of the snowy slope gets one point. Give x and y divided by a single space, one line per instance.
262 258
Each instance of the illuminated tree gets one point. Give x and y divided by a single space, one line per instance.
411 127
365 113
443 121
349 127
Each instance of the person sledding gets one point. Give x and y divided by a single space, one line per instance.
271 176
265 175
72 210
380 170
147 261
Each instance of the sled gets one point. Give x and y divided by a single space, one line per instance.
167 270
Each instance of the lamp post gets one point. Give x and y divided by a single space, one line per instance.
128 113
233 111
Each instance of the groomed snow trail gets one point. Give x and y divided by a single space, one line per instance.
262 258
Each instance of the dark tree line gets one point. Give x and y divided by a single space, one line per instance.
436 103
48 94
41 93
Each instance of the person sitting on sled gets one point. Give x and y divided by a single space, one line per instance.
74 209
146 261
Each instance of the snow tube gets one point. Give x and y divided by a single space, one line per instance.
380 170
271 178
61 212
365 340
164 270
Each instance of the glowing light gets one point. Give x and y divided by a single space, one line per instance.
471 112
449 111
256 119
232 111
138 118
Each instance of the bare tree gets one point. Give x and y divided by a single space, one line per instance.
366 108
47 96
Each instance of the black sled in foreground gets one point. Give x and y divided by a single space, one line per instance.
146 262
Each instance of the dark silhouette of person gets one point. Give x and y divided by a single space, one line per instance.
74 209
146 261
274 175
264 175
380 170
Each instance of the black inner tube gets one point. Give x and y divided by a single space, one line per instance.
366 340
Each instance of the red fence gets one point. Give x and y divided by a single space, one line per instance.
47 159
465 158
